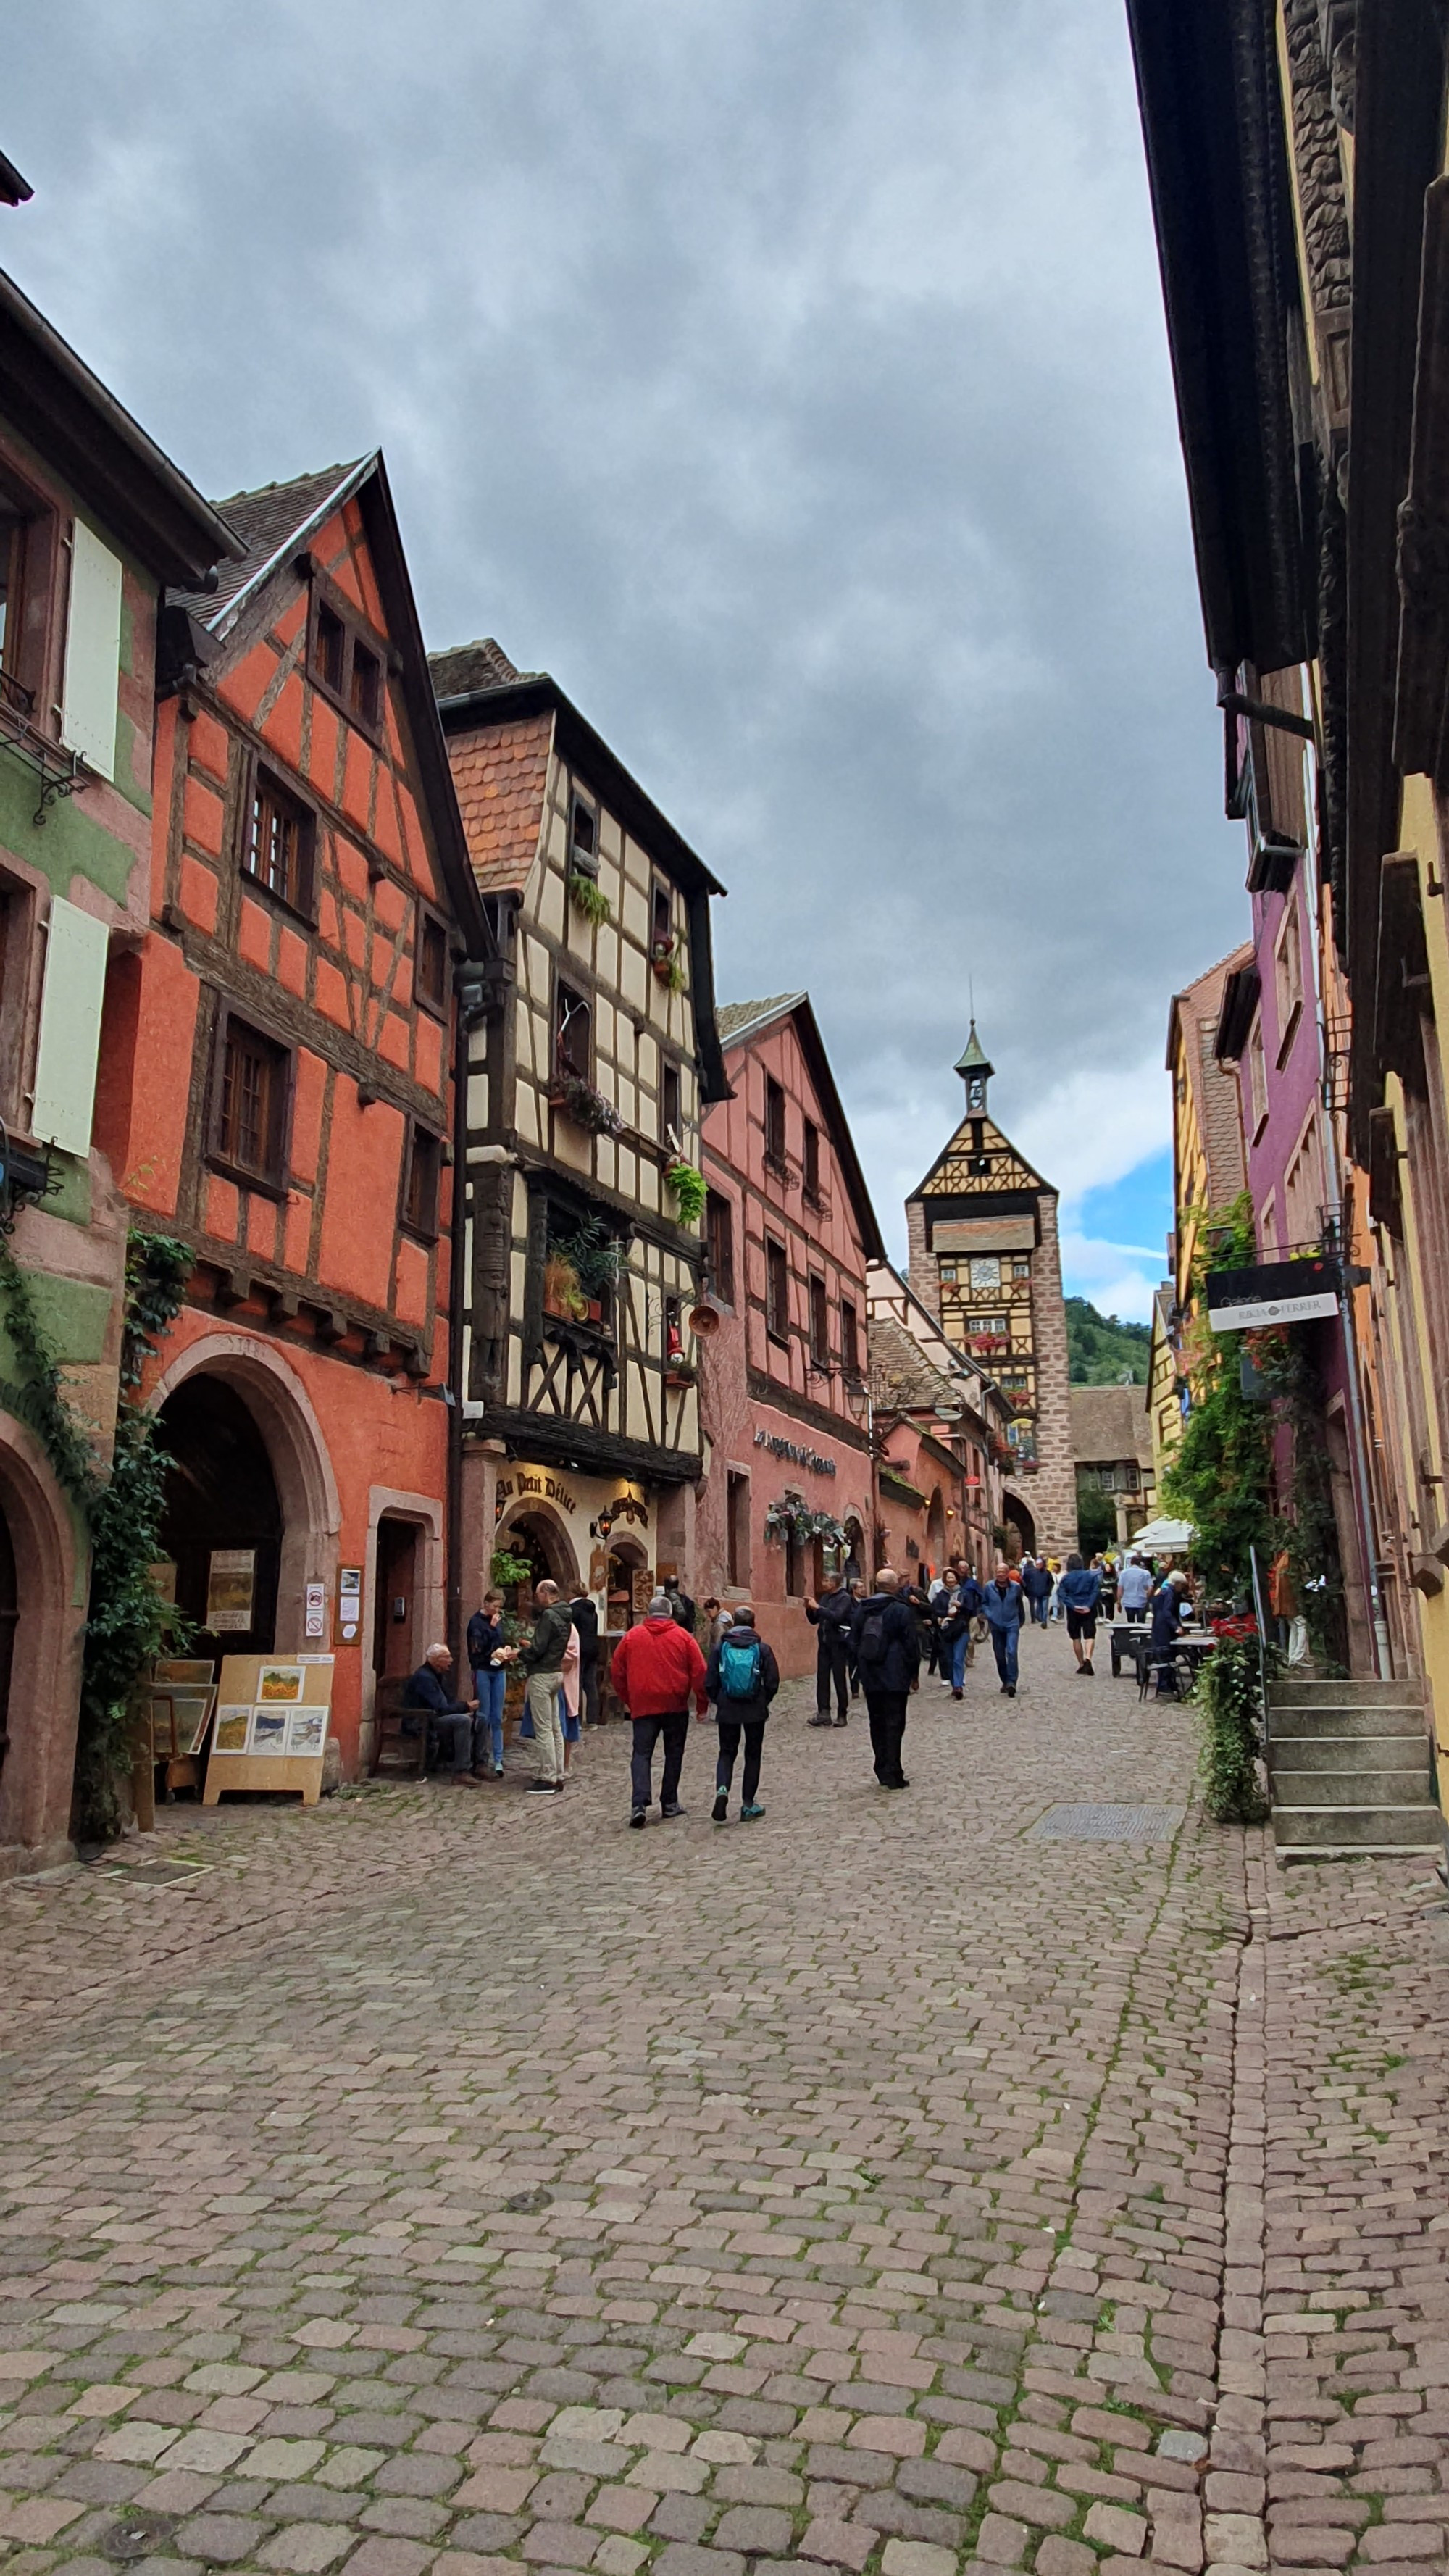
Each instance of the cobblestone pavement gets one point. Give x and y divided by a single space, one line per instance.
447 2181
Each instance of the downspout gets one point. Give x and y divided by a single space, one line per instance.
1358 1437
453 1392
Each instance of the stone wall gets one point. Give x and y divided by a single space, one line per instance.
1052 1491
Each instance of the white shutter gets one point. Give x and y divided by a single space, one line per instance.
70 1027
92 651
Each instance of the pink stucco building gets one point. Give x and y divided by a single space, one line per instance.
783 1375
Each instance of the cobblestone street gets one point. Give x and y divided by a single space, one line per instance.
428 2181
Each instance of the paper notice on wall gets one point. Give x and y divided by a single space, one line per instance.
316 1618
231 1585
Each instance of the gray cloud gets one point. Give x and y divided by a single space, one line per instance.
791 383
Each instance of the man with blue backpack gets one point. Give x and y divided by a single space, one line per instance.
742 1679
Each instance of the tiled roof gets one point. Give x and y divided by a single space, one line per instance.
500 772
1110 1422
733 1018
464 668
271 523
903 1380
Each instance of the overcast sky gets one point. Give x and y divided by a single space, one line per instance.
791 383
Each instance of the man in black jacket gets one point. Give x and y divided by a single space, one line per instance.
832 1617
889 1656
584 1613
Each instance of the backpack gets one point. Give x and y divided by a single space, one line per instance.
872 1647
739 1668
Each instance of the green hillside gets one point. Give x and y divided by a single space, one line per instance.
1100 1350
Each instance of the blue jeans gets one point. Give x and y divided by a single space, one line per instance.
961 1648
488 1724
1039 1609
1003 1646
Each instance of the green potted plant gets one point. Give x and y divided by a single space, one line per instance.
596 1255
687 1189
562 1293
588 897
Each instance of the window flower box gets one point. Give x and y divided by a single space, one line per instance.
584 1105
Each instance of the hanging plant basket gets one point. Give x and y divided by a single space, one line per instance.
686 1187
586 1106
792 1518
680 1372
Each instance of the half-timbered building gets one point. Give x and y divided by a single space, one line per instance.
581 1225
790 1231
984 1259
276 1088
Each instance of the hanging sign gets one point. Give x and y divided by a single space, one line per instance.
231 1583
1276 1292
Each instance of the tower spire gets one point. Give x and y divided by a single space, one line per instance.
976 1070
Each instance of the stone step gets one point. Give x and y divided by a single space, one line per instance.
1314 1720
1353 1693
1384 1828
1331 1748
1352 1788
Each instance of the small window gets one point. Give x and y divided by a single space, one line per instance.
432 964
948 1274
366 692
12 609
583 838
331 647
737 1529
819 1324
669 1108
251 1116
811 1159
573 1026
774 1120
661 933
719 1246
1021 1267
849 1340
777 1292
280 837
420 1199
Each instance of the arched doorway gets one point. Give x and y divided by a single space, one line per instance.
534 1534
43 1574
854 1565
223 1521
1020 1529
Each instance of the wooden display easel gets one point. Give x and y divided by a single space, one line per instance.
253 1687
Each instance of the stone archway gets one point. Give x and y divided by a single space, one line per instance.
1020 1528
51 1573
306 1486
531 1527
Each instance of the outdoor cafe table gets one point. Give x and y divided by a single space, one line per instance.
1137 1642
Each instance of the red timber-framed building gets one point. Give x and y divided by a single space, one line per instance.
276 1085
790 1235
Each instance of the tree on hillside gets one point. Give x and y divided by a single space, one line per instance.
1103 1351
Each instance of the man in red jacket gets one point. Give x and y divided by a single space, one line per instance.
654 1670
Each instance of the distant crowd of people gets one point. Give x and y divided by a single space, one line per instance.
873 1642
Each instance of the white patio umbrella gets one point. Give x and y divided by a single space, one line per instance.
1160 1538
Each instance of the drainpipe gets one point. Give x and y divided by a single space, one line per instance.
453 1622
1358 1439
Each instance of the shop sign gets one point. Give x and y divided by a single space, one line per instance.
527 1481
797 1456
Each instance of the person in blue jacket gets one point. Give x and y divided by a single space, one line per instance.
956 1633
1004 1610
1036 1583
1079 1589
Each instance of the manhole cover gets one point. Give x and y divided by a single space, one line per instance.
156 1873
1107 1825
138 2536
528 2201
